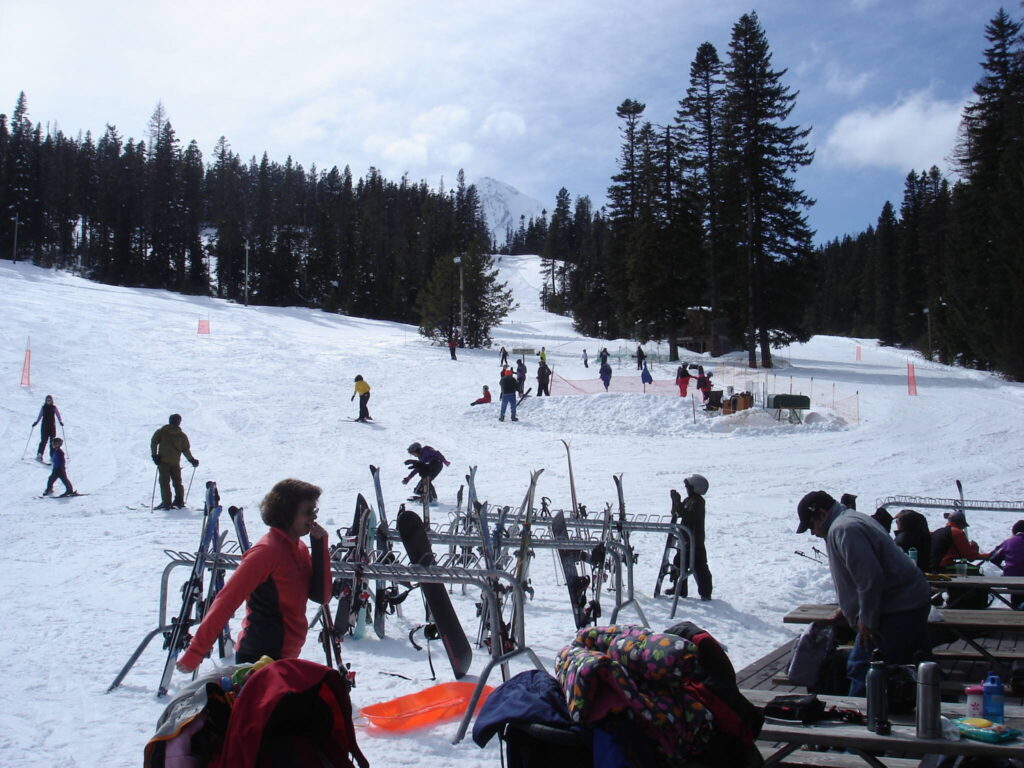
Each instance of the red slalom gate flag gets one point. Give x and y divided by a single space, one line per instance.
26 374
858 352
911 380
204 326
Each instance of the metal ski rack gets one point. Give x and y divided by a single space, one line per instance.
226 560
482 578
928 502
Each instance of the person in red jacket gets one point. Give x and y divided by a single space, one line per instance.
484 398
950 543
276 577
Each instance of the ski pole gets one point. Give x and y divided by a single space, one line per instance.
813 559
31 430
152 496
190 483
63 434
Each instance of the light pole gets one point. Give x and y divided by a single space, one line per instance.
247 273
928 317
462 319
14 254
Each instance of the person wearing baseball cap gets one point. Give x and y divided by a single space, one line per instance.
881 592
950 543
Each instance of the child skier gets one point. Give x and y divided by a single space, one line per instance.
58 471
428 465
484 398
363 390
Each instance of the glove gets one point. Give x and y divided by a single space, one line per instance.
156 459
406 481
473 403
676 499
411 463
62 423
352 398
195 462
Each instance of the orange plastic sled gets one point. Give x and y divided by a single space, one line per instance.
419 710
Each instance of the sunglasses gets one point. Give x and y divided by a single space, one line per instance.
311 512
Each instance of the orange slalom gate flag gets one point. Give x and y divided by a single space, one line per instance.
26 375
858 352
911 380
204 326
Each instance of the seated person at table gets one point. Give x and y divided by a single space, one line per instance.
1010 555
950 543
912 533
883 595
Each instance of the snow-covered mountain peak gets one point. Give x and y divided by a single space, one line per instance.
503 204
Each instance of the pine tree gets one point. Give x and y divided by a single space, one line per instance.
765 209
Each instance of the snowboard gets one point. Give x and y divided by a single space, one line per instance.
576 582
449 628
350 590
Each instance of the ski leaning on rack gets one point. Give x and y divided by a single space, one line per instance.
449 628
352 593
384 595
524 554
572 481
576 582
178 637
241 534
673 558
592 612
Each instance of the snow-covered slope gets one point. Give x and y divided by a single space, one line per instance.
265 396
503 204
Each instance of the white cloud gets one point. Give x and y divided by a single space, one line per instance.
916 132
503 124
845 84
441 120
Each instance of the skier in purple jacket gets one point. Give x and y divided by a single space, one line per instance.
428 464
1010 555
49 414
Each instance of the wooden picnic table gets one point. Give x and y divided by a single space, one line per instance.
862 742
999 586
965 624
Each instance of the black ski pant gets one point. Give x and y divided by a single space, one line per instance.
522 383
452 350
62 475
171 473
427 474
701 572
364 411
543 388
46 432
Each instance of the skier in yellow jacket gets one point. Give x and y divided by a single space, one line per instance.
363 390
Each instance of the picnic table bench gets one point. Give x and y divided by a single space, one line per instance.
862 743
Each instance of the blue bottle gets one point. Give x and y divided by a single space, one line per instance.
992 699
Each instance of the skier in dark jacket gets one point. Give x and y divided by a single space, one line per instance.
49 414
640 357
682 379
521 375
428 464
276 578
690 512
503 357
912 533
605 373
509 395
543 380
166 447
58 469
603 355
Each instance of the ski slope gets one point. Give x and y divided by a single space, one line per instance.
266 396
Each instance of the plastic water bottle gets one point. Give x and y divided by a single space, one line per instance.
877 684
912 554
929 726
992 698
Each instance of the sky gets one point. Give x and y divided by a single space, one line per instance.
524 92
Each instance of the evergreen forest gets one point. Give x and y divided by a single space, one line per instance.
704 235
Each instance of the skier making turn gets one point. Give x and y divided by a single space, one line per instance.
428 464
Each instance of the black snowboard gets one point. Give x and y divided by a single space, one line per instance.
414 537
576 582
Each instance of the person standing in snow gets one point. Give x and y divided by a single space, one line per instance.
58 470
543 355
167 446
275 578
428 464
605 373
509 396
49 414
586 363
704 382
543 379
503 357
882 594
640 357
484 398
683 379
690 512
363 390
603 354
521 375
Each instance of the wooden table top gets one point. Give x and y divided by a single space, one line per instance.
995 582
994 619
902 739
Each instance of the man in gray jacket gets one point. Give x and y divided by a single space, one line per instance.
881 592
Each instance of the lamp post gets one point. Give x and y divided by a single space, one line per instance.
14 253
247 273
462 319
928 317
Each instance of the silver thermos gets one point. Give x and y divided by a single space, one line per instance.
929 725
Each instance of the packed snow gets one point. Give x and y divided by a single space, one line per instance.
265 396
